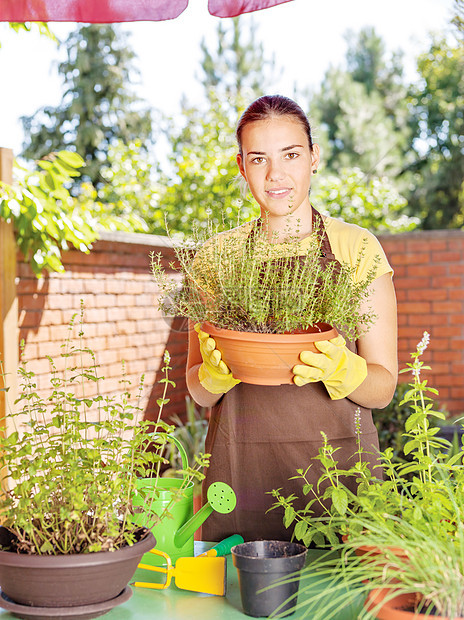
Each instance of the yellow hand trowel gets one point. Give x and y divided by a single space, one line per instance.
200 574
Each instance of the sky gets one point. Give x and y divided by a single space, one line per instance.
305 37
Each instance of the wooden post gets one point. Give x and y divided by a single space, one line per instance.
9 332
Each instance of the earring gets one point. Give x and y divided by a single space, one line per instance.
315 171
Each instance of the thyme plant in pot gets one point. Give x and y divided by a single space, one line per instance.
69 472
257 297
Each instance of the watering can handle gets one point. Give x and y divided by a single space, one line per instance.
180 447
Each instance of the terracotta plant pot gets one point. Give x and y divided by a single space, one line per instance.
371 551
396 607
266 359
84 580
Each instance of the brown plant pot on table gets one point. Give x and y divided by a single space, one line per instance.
397 607
81 586
371 551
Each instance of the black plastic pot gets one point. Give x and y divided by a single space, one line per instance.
91 582
261 564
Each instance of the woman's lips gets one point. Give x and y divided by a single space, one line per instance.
281 192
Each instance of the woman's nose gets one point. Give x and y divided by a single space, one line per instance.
275 171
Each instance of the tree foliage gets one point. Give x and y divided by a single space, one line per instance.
97 106
128 198
42 27
368 92
205 186
203 183
371 202
237 69
437 104
41 210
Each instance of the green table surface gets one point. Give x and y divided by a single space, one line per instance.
175 604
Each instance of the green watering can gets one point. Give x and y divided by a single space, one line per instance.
174 535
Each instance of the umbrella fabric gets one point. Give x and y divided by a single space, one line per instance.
109 11
232 8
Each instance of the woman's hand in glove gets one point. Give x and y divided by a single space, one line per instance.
340 370
214 374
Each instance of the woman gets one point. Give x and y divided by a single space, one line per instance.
259 435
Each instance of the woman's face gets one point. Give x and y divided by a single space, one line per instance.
277 163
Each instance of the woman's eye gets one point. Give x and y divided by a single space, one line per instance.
257 160
291 155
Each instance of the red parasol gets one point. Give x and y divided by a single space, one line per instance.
108 11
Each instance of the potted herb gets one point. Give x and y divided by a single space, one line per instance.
427 581
69 472
253 295
400 538
409 489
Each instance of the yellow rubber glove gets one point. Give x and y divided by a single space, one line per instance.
214 374
340 370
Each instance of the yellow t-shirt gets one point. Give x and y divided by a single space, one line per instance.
346 240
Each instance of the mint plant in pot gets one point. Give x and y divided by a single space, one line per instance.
242 289
407 490
69 472
400 537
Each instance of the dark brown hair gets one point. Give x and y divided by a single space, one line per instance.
269 106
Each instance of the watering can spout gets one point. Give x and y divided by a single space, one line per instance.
189 528
221 498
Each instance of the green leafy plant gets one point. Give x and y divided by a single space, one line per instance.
403 534
70 466
256 285
410 490
372 202
390 421
430 570
41 209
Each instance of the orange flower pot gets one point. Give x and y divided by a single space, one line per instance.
373 551
266 359
396 607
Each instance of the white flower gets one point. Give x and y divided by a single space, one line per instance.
423 344
357 421
167 357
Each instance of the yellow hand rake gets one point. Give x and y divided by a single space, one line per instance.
200 574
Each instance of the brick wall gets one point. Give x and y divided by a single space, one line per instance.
121 317
122 321
429 282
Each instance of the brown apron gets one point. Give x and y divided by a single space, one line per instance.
259 436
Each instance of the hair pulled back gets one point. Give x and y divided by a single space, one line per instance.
270 106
